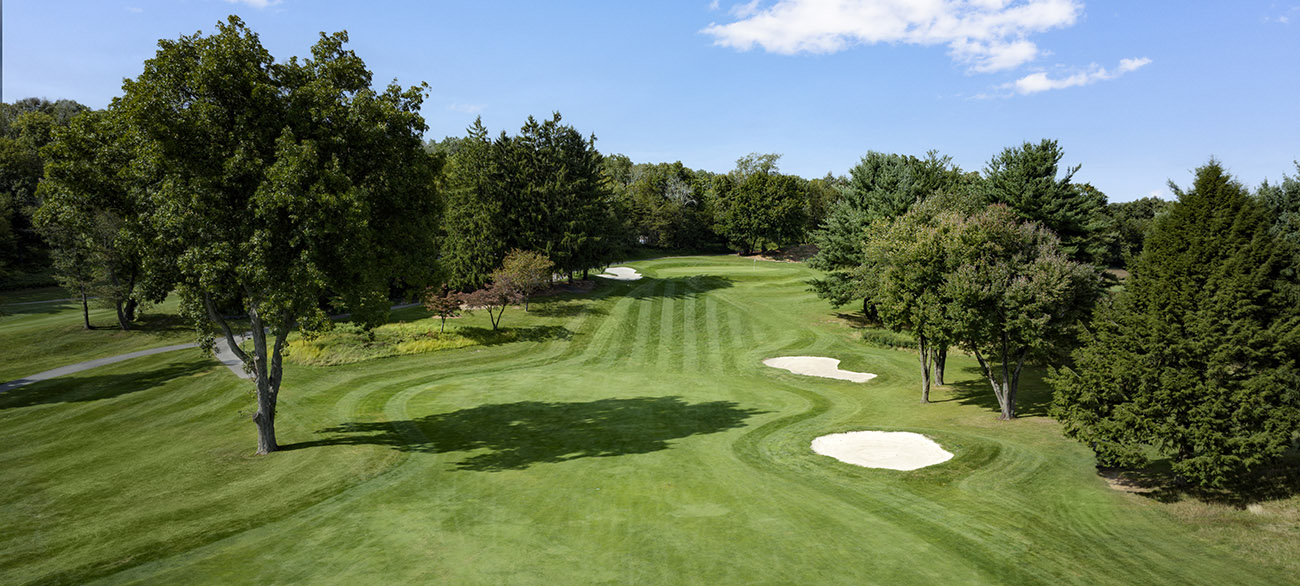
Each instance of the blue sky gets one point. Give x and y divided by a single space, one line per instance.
1136 92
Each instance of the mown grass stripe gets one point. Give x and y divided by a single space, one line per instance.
644 340
613 331
669 339
690 361
712 361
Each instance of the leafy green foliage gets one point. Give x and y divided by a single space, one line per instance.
1131 221
666 206
1029 180
281 183
525 271
1197 357
541 190
880 187
25 127
91 214
756 205
1011 293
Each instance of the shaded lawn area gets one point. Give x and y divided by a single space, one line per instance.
40 337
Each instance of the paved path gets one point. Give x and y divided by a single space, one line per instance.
45 301
87 365
223 354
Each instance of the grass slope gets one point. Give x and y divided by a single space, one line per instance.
648 446
40 336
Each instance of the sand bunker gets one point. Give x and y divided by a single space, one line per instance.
818 366
620 274
894 450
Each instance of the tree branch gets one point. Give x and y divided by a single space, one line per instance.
215 316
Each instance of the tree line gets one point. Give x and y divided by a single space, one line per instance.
1192 358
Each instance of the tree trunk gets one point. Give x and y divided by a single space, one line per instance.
131 306
925 369
1006 401
266 369
443 326
122 320
585 274
265 420
940 357
85 309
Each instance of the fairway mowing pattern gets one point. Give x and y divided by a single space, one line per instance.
650 446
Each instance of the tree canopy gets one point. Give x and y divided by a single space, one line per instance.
281 184
756 205
1029 180
540 190
1197 357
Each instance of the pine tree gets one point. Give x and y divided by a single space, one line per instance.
474 222
1025 178
1197 358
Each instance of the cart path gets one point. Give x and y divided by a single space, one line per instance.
222 352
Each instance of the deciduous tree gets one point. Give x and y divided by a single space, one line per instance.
1029 180
444 303
757 205
527 271
1010 292
281 183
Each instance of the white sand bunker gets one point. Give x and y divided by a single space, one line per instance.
818 366
895 450
620 274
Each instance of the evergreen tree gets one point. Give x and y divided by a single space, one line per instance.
474 226
1131 220
880 187
1197 357
541 190
1025 178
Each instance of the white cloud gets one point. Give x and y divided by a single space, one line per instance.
985 35
466 108
713 5
1041 82
1285 17
256 3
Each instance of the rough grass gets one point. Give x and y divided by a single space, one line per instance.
649 446
38 337
348 343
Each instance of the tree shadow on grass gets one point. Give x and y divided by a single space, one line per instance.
79 387
564 308
1032 400
518 435
683 287
505 335
1157 481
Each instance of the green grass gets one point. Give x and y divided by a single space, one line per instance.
347 343
648 446
42 336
